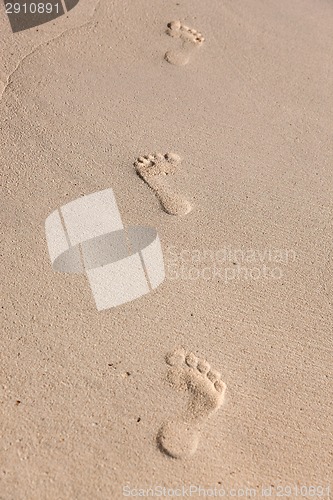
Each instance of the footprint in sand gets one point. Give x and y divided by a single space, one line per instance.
152 169
191 40
179 437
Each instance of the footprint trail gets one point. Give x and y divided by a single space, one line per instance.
179 437
153 169
190 38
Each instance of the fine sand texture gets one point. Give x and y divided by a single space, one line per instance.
152 168
211 122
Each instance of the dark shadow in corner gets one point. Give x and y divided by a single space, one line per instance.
70 4
25 14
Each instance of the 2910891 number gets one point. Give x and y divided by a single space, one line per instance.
32 8
303 491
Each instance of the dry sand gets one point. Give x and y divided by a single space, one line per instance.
85 394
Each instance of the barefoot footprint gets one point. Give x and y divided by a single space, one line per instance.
151 169
179 437
191 39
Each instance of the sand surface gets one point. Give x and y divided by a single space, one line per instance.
84 394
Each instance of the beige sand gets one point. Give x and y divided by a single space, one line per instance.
179 436
190 39
85 393
152 168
